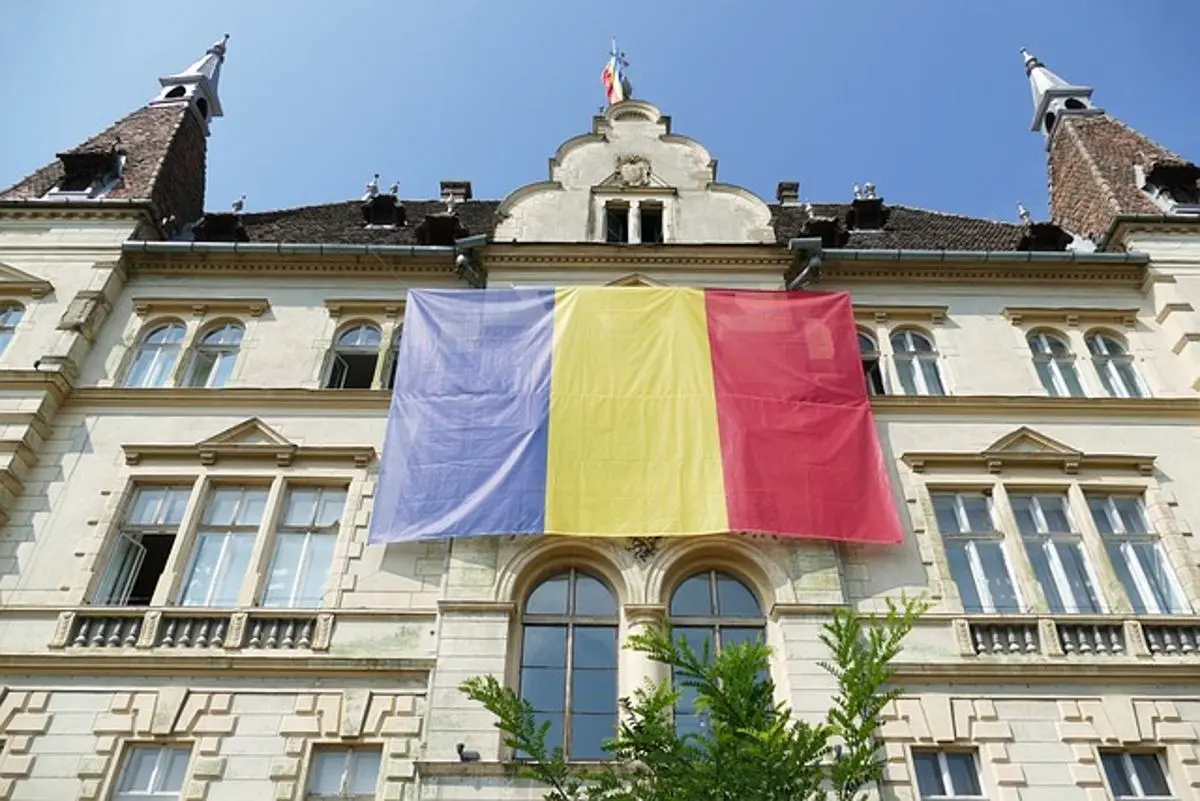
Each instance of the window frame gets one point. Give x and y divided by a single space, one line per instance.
171 373
1050 540
223 349
163 749
1057 365
570 620
197 533
946 775
621 209
974 561
354 752
911 360
8 328
275 516
872 364
337 351
125 532
1125 540
1105 363
1131 775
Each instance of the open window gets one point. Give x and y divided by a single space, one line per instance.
143 546
652 223
616 223
355 354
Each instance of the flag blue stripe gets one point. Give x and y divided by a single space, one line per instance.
465 448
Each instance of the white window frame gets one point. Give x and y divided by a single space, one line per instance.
8 325
1044 538
129 535
226 533
337 350
1105 363
1057 364
164 751
308 532
175 348
874 354
1136 570
1132 777
219 350
947 780
911 359
969 537
354 753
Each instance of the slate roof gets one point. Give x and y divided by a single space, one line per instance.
906 228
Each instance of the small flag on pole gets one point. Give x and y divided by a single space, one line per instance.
616 83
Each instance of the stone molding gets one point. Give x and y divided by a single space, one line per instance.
883 313
199 307
371 307
1026 448
1070 316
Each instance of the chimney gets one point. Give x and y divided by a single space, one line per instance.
788 193
867 212
456 191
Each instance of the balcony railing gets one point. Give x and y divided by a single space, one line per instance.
1077 637
194 630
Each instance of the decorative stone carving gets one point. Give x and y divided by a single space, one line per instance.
634 170
643 548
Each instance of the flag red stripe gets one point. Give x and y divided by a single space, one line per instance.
799 448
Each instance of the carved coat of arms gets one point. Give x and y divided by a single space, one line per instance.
634 170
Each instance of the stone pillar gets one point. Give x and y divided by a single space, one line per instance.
635 222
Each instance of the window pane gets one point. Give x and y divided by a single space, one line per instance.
1099 507
174 505
929 774
204 570
289 548
1129 379
1022 507
237 559
698 637
1046 376
594 690
1041 568
253 503
1129 509
933 379
1054 510
979 513
593 598
1071 377
588 732
734 599
737 636
146 504
555 737
693 598
549 598
995 567
311 592
907 370
944 509
139 769
202 367
960 569
545 688
1119 555
1159 576
175 771
545 646
222 507
1150 774
595 646
1114 768
963 776
332 503
366 772
1071 555
327 769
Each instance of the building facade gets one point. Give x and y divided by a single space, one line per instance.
193 405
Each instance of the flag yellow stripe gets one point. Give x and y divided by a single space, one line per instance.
633 441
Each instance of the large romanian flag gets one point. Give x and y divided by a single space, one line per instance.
619 411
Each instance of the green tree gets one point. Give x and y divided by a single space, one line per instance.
751 747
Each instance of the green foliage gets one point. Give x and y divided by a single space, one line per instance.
751 747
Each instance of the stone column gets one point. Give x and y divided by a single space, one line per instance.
635 667
635 221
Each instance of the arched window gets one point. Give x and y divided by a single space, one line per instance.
1055 364
1114 365
713 610
10 315
393 354
355 352
156 356
569 661
215 355
870 364
917 363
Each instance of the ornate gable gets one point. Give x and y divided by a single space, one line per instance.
1025 448
252 440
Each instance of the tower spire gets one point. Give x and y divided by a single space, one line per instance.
196 86
1052 95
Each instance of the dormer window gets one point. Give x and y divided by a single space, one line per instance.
616 222
1174 187
384 211
88 175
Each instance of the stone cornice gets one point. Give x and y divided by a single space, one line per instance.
51 381
1071 316
918 270
143 664
281 454
883 313
637 258
200 306
1069 463
339 264
1019 671
476 607
348 307
253 398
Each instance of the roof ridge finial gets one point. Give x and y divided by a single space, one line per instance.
1030 61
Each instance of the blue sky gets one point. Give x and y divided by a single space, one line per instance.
926 98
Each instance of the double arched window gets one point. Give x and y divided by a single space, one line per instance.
213 361
569 661
1114 365
917 363
711 610
354 357
1055 365
158 352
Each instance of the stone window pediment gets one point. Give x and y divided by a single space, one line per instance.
250 440
21 283
1026 448
1070 316
255 307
